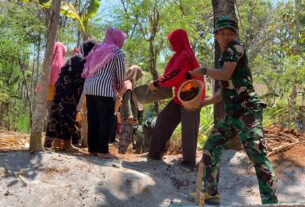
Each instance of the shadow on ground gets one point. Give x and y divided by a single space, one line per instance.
59 179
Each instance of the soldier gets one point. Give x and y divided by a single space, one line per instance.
243 114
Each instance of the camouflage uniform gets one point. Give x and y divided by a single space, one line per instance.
243 118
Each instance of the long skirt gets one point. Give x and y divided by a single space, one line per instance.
62 119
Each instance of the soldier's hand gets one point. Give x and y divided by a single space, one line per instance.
203 103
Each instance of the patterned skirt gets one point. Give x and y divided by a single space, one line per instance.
62 117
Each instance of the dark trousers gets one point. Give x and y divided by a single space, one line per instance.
113 130
100 112
167 121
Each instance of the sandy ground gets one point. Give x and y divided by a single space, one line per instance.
59 179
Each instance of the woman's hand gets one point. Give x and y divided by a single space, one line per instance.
151 87
196 72
118 103
132 121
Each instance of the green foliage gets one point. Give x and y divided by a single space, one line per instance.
23 123
267 30
139 19
93 8
45 3
68 10
20 29
206 124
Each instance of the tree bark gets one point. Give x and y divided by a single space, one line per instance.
223 8
154 22
40 109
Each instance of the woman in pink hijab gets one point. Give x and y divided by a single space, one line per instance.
58 56
104 72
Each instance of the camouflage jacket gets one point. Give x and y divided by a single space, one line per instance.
238 92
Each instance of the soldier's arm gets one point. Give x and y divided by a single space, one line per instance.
232 56
224 74
216 98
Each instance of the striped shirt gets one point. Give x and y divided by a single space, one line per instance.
108 80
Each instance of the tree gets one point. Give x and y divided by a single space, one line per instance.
149 22
40 109
21 30
86 11
223 8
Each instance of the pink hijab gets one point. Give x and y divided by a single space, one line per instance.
103 53
59 53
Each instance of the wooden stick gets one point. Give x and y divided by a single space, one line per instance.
291 137
199 184
201 202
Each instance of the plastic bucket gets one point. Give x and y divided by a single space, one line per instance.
145 96
190 93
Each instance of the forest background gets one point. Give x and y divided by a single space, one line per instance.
273 32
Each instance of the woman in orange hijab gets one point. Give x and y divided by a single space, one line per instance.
179 65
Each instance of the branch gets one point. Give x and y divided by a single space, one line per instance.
22 66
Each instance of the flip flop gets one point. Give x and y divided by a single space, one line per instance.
93 154
107 156
71 149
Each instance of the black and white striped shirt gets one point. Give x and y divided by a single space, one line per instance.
108 80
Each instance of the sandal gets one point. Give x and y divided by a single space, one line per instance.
71 149
106 156
57 144
93 154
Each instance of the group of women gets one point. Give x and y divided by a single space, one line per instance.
98 72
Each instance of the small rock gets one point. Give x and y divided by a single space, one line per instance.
114 165
7 193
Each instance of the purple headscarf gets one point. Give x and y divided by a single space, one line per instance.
103 53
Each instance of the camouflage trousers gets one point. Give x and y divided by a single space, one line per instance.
126 133
249 129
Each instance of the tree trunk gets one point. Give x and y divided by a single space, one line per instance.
223 8
40 109
152 68
154 20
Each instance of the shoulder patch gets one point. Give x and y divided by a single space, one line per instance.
239 49
230 51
